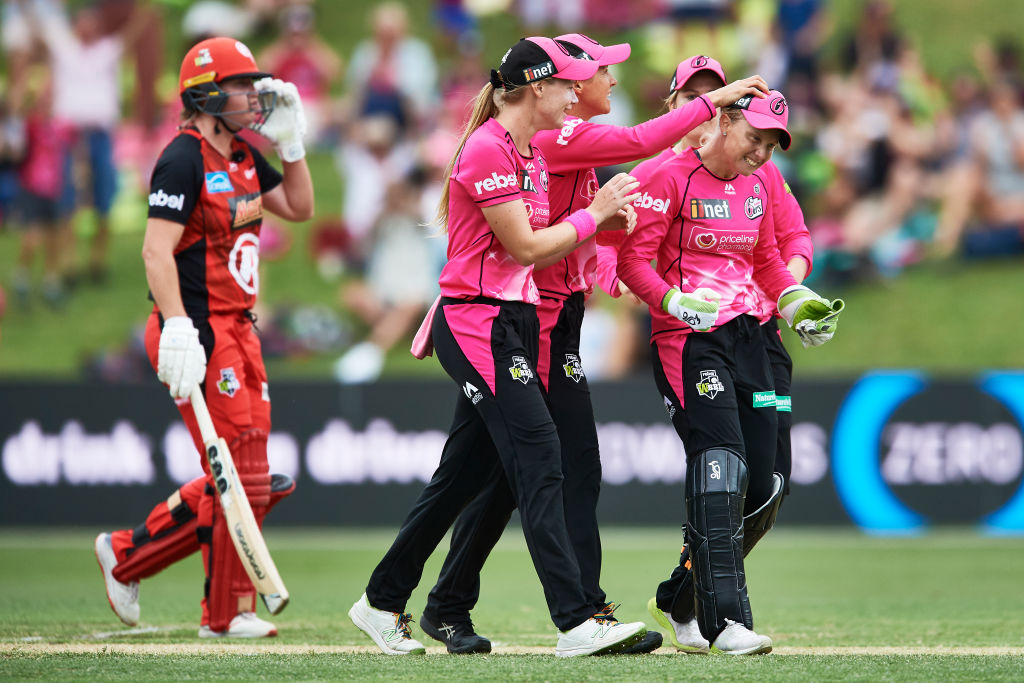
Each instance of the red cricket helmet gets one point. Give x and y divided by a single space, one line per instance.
209 63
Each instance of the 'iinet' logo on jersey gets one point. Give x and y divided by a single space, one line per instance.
495 182
646 201
171 201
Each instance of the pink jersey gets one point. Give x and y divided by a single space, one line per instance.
489 171
704 231
572 152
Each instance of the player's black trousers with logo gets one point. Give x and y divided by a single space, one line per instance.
507 430
675 594
727 421
482 523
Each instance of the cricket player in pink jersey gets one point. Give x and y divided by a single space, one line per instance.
710 226
571 153
485 333
673 604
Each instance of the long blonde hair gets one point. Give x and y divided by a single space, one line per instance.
487 104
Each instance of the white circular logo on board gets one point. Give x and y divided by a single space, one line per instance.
244 262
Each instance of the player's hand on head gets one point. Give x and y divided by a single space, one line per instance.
614 195
285 126
181 360
814 318
752 86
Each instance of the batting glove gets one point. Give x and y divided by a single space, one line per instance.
181 362
813 318
699 309
285 126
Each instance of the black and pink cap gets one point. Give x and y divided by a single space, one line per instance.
771 112
535 58
585 47
688 67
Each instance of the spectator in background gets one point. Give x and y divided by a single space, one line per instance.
370 161
86 95
37 210
400 284
299 56
393 74
12 150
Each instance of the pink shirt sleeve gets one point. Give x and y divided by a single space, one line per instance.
580 144
791 231
641 247
487 172
607 264
770 271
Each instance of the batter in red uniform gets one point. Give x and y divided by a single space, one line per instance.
208 192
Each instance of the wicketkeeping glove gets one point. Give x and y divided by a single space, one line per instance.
813 318
286 124
698 309
181 361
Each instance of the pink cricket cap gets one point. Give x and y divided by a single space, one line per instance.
535 58
688 67
771 112
584 47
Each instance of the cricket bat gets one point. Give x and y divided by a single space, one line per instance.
245 533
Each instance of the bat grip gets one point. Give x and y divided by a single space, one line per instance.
202 413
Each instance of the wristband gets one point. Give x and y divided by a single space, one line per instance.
584 223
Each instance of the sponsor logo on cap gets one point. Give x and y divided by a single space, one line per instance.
535 73
778 106
698 61
204 57
742 103
710 208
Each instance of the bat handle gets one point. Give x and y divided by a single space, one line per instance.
202 414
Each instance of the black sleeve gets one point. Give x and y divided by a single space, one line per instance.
269 176
177 180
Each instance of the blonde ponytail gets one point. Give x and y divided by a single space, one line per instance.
487 104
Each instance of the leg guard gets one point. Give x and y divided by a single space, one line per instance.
675 595
169 533
228 589
715 492
761 520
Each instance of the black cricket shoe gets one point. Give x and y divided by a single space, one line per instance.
651 642
458 636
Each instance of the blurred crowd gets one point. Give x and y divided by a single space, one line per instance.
891 164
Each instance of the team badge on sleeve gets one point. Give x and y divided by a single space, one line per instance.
228 384
520 369
573 368
709 384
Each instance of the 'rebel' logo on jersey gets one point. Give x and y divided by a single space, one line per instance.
171 201
646 201
495 182
246 210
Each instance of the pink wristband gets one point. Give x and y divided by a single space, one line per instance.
583 222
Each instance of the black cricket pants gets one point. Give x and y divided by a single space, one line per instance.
489 348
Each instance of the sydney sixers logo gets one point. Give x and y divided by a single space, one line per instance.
698 61
778 106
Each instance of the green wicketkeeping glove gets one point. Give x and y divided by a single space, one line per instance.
812 317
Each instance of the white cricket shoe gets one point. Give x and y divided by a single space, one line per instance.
685 637
597 636
123 597
389 630
361 363
737 639
244 625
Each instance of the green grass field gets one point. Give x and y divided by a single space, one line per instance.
839 606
